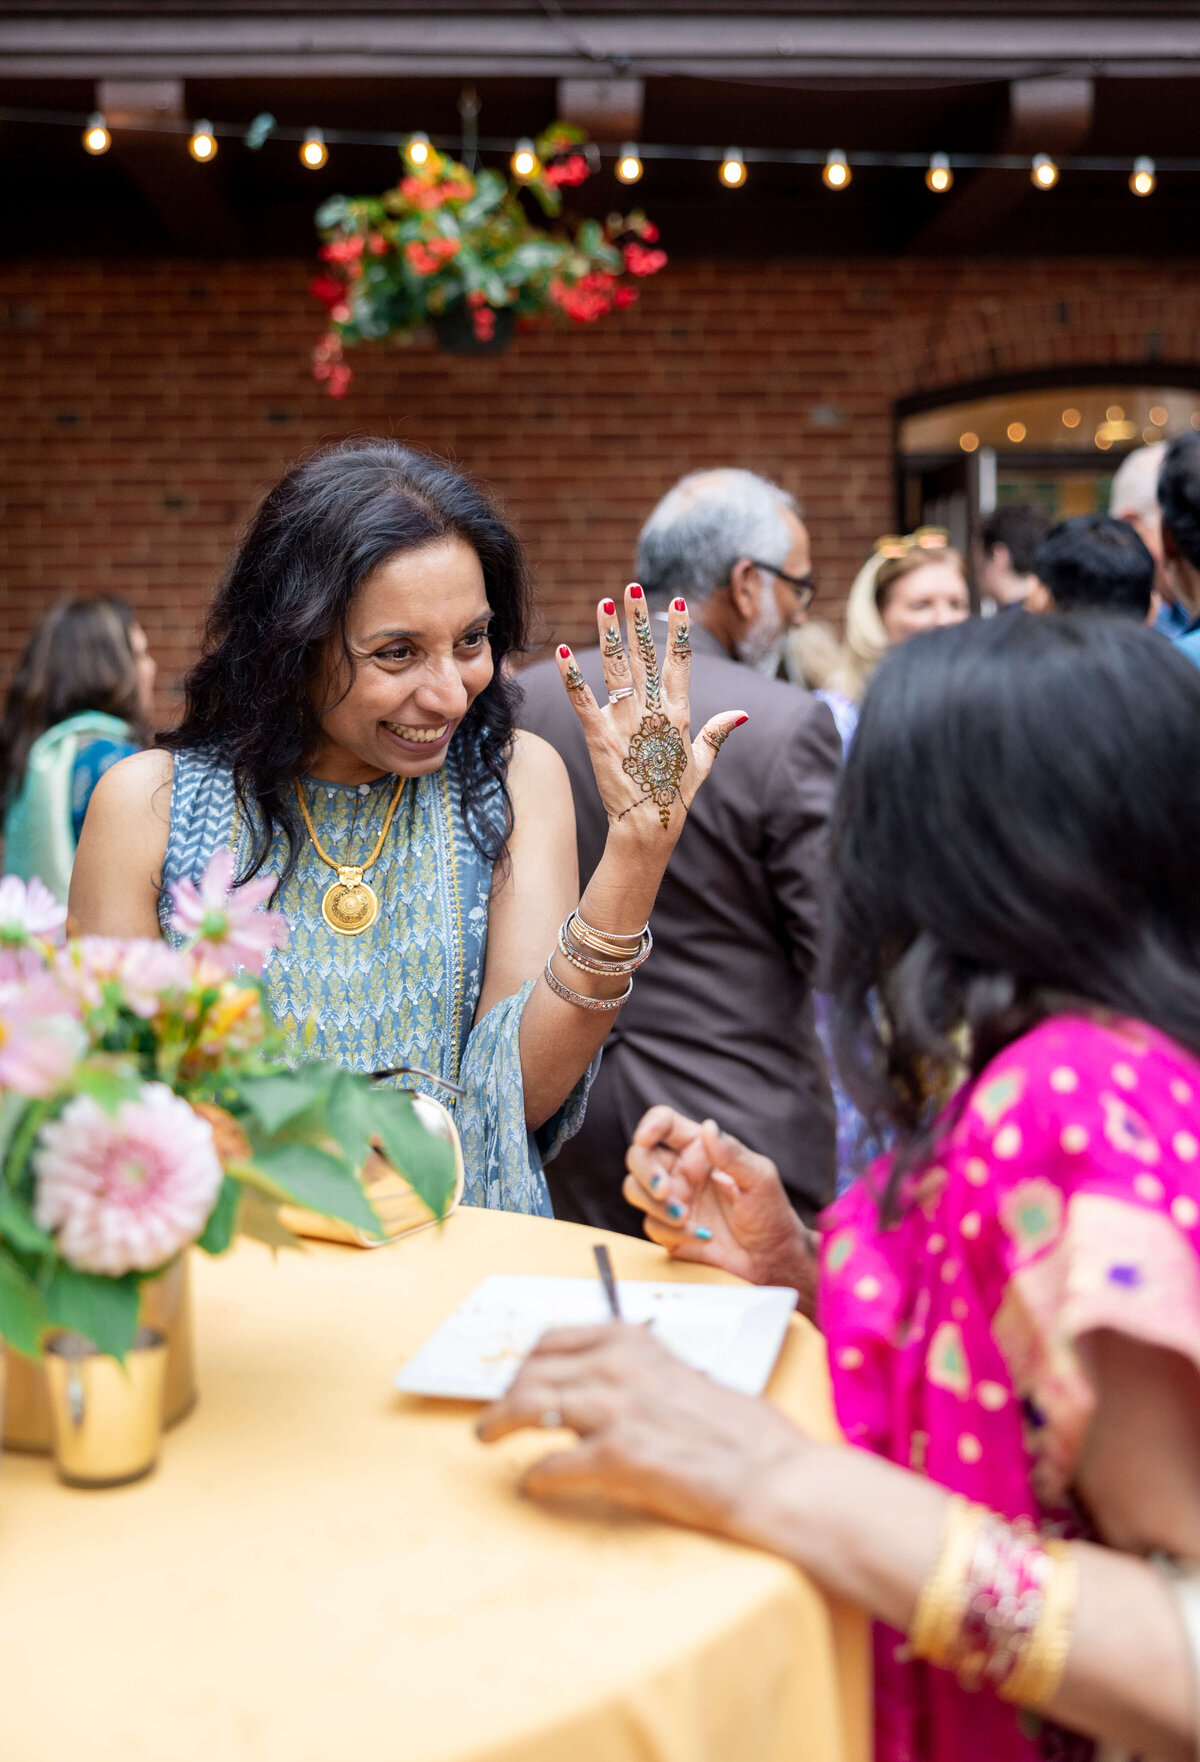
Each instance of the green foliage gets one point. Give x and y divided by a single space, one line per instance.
104 1311
315 1178
222 1219
426 1162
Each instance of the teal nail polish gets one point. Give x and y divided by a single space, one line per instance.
656 1185
675 1210
703 1235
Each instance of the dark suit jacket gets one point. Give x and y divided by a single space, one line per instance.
720 1022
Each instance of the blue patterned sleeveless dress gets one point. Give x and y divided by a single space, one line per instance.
405 991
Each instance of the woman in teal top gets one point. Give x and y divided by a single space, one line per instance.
350 730
78 703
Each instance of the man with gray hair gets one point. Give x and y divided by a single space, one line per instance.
720 1024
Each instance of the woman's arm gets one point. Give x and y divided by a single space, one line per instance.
661 1438
646 728
118 866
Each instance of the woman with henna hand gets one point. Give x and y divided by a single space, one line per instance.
350 731
1011 1297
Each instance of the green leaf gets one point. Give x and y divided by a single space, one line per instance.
348 1113
490 191
425 1160
333 212
278 1099
218 1231
320 1181
20 1229
11 1108
104 1311
22 1312
534 255
108 1084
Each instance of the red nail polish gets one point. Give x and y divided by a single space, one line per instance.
635 592
740 720
681 605
608 608
564 653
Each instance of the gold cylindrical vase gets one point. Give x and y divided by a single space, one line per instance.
106 1417
167 1305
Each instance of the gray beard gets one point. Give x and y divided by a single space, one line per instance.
762 645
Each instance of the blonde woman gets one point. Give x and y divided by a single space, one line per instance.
909 584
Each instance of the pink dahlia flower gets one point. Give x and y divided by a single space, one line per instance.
150 975
224 922
40 1036
128 1192
29 913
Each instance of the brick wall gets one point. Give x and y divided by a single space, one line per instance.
147 405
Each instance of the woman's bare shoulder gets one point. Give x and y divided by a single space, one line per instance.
141 783
535 766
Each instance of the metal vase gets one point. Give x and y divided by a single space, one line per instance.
106 1417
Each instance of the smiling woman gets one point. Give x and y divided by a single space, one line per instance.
349 729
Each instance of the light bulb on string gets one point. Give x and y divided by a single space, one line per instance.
1144 177
629 164
733 168
203 143
836 174
418 149
524 162
1044 173
939 176
314 152
96 138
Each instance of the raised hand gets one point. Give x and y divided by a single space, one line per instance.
708 1198
640 744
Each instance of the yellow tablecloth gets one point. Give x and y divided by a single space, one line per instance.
322 1570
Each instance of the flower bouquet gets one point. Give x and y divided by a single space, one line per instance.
145 1105
459 250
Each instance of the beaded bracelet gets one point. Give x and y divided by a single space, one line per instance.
580 956
578 997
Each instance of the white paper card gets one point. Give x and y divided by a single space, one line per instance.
732 1332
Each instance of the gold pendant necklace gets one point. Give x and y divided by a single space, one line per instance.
350 905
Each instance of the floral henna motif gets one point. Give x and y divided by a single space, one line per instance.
716 737
657 760
681 643
575 679
645 643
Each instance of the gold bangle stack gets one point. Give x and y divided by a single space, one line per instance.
596 951
606 954
998 1606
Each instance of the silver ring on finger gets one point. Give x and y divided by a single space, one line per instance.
550 1419
622 691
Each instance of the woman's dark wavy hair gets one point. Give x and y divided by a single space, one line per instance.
1018 833
316 537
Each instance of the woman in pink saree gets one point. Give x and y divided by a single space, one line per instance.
1011 1298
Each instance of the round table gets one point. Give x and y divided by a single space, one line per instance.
322 1570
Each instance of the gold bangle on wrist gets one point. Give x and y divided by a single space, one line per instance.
605 968
617 937
937 1618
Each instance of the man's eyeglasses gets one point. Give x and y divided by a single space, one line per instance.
803 586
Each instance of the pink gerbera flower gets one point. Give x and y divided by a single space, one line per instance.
40 1037
125 1192
225 924
29 913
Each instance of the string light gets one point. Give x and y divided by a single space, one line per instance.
417 148
1071 418
629 164
1143 178
524 162
203 144
733 168
1044 174
939 177
1159 415
96 138
314 152
837 173
968 441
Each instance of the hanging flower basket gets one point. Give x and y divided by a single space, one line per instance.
457 251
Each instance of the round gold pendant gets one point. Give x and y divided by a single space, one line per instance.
350 908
